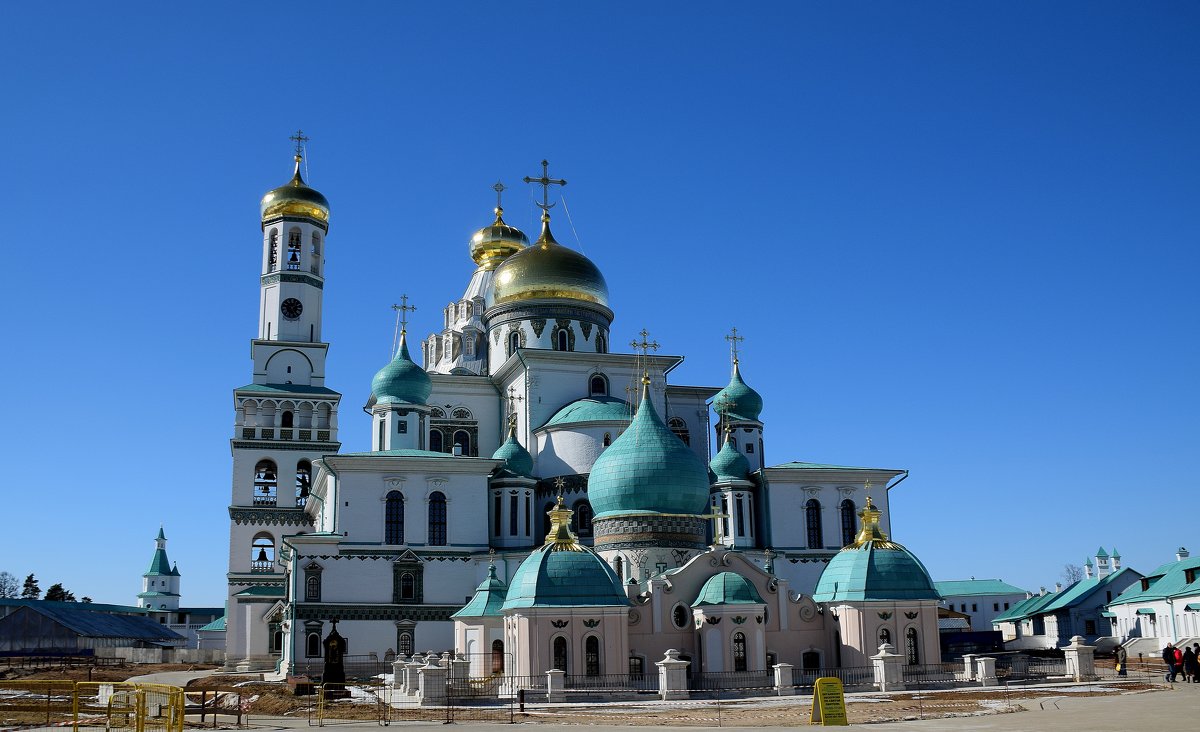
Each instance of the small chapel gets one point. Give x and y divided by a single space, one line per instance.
534 497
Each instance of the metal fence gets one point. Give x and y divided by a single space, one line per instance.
88 704
610 683
356 667
731 680
806 678
932 675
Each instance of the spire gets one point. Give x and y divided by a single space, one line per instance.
499 189
299 138
560 537
545 181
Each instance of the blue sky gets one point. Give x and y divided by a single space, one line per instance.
960 238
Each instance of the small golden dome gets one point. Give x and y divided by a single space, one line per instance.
492 244
548 270
295 198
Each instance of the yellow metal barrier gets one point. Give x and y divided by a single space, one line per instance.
36 703
113 706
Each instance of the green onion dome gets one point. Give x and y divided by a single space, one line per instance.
727 588
563 573
294 198
517 459
401 381
648 470
729 463
738 400
874 568
488 598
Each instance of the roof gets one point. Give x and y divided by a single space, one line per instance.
216 625
562 578
592 409
93 624
263 591
95 606
737 400
160 566
1025 608
288 389
1051 602
966 588
953 624
488 598
158 594
403 453
727 588
401 381
1169 580
874 573
729 463
796 465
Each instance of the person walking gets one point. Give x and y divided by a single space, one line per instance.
1191 666
1122 657
1168 657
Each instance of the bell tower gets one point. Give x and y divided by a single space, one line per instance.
284 419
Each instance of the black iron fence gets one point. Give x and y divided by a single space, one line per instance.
731 680
806 678
930 675
613 683
357 668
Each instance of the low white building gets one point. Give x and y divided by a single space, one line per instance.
1162 607
982 599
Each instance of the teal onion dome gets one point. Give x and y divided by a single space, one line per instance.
517 459
562 573
401 381
729 464
874 568
488 598
738 400
727 588
648 470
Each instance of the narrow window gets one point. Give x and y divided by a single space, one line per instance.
496 519
582 519
528 511
273 254
679 616
497 656
312 587
287 420
637 668
293 256
512 515
561 344
408 586
463 439
560 653
620 567
601 344
402 426
812 519
679 428
262 553
741 517
382 433
312 645
514 342
846 510
437 519
607 439
266 482
739 651
435 441
885 636
911 651
749 448
394 518
404 643
591 656
598 385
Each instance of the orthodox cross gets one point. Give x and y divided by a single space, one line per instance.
498 188
770 555
402 312
734 339
545 182
644 345
513 398
718 521
722 406
299 138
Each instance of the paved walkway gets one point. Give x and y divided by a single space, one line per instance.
173 678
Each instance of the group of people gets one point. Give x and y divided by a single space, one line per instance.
1185 662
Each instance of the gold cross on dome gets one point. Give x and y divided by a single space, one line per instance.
545 182
498 188
299 138
513 398
718 521
402 312
645 346
734 339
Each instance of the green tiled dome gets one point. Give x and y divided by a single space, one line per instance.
488 598
738 400
517 459
874 568
727 588
401 381
648 470
729 464
592 409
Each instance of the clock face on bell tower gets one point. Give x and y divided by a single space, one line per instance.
291 308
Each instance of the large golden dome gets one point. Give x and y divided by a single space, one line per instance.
492 244
295 198
548 270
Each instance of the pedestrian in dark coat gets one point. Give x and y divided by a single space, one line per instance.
1122 657
1191 666
1168 657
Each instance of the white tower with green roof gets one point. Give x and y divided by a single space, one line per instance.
284 419
160 583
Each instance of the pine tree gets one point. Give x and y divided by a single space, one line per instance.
31 590
58 594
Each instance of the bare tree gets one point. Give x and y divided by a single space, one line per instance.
9 586
1072 573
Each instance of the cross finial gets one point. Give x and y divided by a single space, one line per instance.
734 339
402 312
499 188
560 483
513 398
645 345
545 182
718 522
299 138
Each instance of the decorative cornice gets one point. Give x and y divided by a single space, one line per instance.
324 448
393 613
274 516
300 277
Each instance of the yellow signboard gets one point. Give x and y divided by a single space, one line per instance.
829 703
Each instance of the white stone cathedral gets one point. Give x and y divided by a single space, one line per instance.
520 401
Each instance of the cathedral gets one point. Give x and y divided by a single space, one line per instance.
534 497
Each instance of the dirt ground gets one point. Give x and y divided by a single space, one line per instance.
118 672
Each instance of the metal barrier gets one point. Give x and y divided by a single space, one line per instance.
87 704
731 680
806 678
932 675
35 703
610 683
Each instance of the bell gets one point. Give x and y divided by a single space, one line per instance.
262 555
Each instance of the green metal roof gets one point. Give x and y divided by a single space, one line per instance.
592 409
868 572
551 577
648 470
263 591
1025 608
1169 580
967 588
727 588
1107 614
1192 606
158 594
738 400
288 389
160 566
216 625
797 465
1145 611
402 453
729 463
488 598
401 381
1084 588
517 459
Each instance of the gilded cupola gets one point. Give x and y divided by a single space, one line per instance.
295 198
496 242
548 270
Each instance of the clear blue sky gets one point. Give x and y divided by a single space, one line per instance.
960 238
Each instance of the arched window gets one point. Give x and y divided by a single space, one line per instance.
912 652
739 651
497 656
293 254
262 553
408 586
437 519
273 253
303 481
812 519
560 341
810 660
846 509
514 342
462 438
601 344
393 518
582 519
885 636
266 481
598 385
276 640
591 656
404 644
315 267
312 588
287 419
560 653
435 440
312 645
607 439
679 428
619 565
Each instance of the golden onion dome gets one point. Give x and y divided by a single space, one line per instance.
492 244
548 270
295 198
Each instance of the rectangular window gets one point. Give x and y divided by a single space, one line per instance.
974 608
1006 606
402 427
996 606
750 447
527 514
496 518
1089 627
512 515
741 518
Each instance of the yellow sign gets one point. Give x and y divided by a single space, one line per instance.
829 703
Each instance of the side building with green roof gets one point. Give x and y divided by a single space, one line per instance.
982 599
1162 607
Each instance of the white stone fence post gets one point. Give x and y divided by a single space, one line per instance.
1081 659
672 676
783 680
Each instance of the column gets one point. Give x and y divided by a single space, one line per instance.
672 676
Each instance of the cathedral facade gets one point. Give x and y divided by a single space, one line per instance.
532 492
